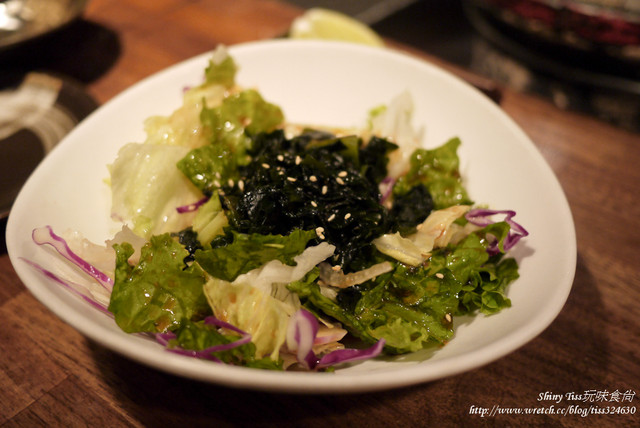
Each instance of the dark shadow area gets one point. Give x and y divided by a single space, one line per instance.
438 27
3 240
82 50
583 348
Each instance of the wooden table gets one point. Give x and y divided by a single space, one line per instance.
50 375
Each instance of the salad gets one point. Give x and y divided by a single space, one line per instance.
251 241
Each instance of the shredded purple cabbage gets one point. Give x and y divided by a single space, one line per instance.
45 235
165 340
303 328
192 207
386 188
482 218
345 355
73 287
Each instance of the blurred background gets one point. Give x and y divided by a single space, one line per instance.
583 55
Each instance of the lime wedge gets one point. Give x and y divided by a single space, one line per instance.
325 24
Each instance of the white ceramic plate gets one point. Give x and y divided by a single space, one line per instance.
330 84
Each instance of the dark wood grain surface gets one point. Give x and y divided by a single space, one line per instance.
50 375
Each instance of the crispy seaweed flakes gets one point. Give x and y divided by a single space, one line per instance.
314 181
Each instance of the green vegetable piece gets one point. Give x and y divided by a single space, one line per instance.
408 308
438 170
250 251
405 330
467 257
198 336
485 278
253 310
158 293
312 298
209 221
229 127
221 71
244 111
147 187
206 166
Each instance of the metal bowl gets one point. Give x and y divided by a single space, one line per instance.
22 20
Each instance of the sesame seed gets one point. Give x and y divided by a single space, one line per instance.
320 232
230 182
331 217
448 317
336 268
439 275
291 179
313 178
216 183
340 180
266 166
280 158
298 160
314 204
324 190
342 174
241 185
347 216
218 175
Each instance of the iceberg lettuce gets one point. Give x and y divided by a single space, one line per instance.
147 188
258 301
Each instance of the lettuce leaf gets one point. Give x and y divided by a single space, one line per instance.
413 307
159 293
147 187
487 277
199 335
228 127
252 310
221 69
409 308
209 221
259 303
438 170
484 278
308 290
246 252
